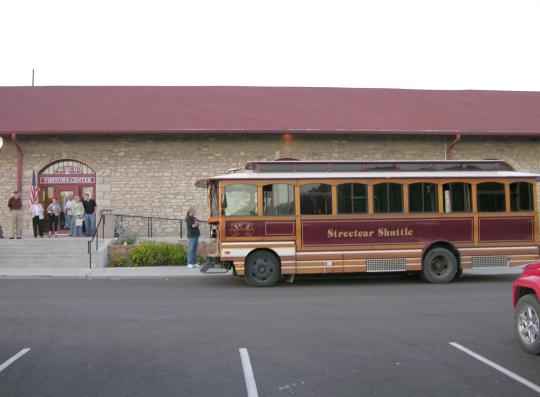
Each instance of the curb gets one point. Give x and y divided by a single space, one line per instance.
104 273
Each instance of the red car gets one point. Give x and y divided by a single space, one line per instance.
526 299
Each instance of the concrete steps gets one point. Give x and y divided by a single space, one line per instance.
44 252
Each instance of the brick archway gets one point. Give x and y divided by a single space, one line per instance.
64 178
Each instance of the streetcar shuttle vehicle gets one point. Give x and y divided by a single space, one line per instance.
283 218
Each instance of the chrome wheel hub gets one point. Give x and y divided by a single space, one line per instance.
529 325
262 269
440 266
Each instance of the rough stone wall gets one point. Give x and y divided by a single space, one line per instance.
8 175
155 175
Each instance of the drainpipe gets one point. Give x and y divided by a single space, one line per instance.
448 153
20 156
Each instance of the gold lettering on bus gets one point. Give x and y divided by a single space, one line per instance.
379 232
241 228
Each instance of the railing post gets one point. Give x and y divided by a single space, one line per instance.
90 254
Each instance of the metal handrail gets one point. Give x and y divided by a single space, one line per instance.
96 237
149 216
151 219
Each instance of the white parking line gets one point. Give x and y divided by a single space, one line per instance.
251 386
14 358
496 366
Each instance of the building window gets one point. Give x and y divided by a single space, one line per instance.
490 197
67 167
240 200
521 196
388 197
352 198
316 199
457 197
423 197
278 200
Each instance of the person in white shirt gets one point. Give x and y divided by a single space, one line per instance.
37 218
67 212
53 212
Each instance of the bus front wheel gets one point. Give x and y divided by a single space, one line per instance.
439 266
262 269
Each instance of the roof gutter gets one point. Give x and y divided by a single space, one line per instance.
252 131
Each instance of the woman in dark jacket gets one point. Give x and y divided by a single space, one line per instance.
193 233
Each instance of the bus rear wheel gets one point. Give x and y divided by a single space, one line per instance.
439 266
262 269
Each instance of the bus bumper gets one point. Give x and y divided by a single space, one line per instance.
215 265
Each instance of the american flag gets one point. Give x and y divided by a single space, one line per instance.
34 189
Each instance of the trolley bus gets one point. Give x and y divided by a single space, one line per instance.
284 218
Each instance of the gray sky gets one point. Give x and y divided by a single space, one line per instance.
452 44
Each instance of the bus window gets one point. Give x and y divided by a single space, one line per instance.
388 197
278 200
521 196
316 199
352 198
457 197
490 197
240 200
423 197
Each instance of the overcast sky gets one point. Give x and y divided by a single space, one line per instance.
452 44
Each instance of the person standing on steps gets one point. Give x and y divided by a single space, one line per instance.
89 215
193 233
37 218
77 216
53 211
67 212
15 211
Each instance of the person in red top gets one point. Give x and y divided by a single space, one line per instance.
15 210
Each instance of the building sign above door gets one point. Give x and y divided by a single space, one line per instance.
67 172
66 180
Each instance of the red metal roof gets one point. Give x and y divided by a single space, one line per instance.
145 109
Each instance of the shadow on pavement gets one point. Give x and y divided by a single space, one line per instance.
363 279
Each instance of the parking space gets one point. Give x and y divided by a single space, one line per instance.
319 337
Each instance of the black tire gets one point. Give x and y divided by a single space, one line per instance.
262 269
439 266
530 341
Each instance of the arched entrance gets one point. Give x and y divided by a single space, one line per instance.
66 178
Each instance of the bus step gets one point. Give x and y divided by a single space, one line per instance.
211 267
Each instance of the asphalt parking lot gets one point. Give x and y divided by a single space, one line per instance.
366 336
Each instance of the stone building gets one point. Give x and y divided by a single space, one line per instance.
139 150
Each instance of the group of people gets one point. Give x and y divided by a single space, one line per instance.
73 214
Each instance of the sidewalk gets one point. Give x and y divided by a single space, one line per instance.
109 272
